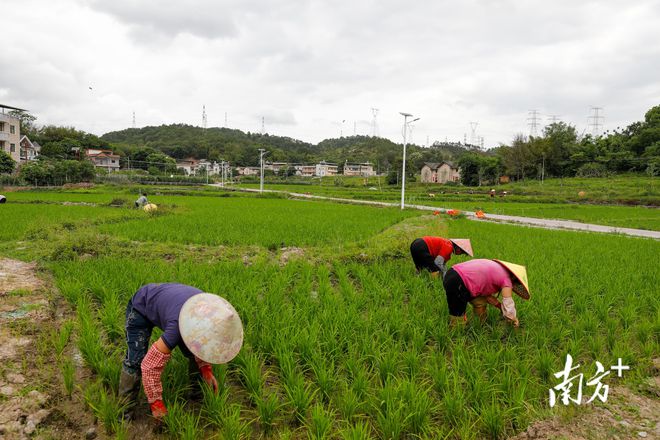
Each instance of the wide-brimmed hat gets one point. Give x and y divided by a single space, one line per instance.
150 207
464 244
520 272
211 328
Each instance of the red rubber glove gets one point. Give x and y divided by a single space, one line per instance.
158 409
207 374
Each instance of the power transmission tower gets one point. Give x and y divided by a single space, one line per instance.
263 125
554 118
595 119
204 120
354 128
226 120
133 119
533 122
374 124
473 132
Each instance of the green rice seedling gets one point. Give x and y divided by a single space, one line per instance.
493 421
234 427
387 364
60 338
68 375
319 424
411 363
112 318
438 373
358 431
324 375
419 406
182 424
249 369
392 422
360 381
453 407
105 406
267 408
545 364
300 396
214 405
347 403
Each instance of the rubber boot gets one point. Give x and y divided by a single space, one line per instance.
129 389
195 393
457 321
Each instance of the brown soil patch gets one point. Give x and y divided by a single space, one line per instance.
290 253
18 275
625 415
31 401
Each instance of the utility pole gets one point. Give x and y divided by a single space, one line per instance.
262 153
542 168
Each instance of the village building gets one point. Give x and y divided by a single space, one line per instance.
359 169
326 169
10 133
249 171
276 167
29 150
304 170
104 159
441 172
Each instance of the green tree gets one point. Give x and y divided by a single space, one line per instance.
7 164
26 119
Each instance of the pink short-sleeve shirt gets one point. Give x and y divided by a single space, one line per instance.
483 277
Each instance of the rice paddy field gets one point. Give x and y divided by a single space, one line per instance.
343 340
624 201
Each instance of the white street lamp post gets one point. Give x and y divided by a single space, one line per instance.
403 171
262 153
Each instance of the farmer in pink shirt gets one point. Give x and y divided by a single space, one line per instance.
478 281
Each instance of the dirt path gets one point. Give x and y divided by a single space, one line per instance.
31 402
512 219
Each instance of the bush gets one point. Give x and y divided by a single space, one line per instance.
7 164
592 169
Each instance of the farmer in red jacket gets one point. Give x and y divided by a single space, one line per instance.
432 253
478 281
204 326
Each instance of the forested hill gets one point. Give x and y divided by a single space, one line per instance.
183 141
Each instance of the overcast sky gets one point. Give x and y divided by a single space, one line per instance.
306 66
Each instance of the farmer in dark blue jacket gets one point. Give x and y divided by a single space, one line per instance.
204 326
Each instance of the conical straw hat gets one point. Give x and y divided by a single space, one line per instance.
464 244
520 272
211 328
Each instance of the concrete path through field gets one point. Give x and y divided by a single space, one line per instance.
512 219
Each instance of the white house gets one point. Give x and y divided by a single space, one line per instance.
29 150
442 172
326 169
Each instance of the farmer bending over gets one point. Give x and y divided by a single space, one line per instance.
477 281
204 326
141 201
432 253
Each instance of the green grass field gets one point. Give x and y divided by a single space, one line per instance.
347 341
